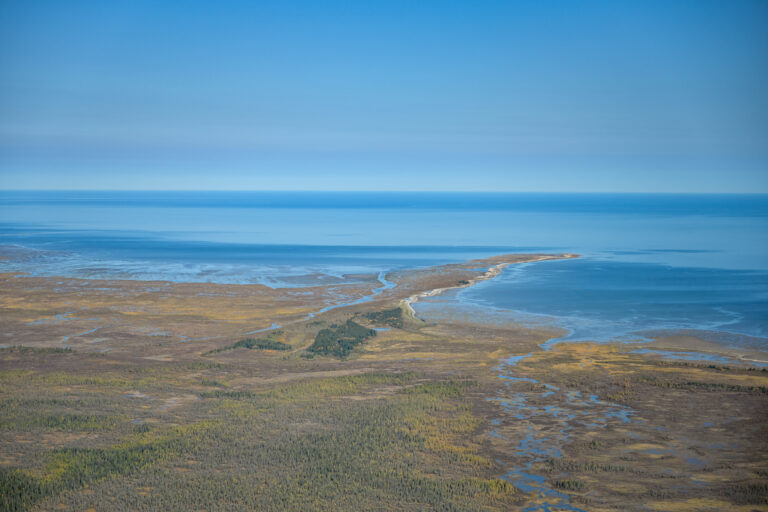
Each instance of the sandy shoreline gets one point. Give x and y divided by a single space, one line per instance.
683 343
492 272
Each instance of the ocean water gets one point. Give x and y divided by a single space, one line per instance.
649 262
607 299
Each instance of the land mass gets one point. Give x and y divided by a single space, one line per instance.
128 395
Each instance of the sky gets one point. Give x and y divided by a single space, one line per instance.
566 96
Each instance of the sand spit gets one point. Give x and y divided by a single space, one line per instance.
492 272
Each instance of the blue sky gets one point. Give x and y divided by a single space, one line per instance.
664 96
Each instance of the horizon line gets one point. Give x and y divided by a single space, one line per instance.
368 191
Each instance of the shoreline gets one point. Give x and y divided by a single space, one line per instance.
257 316
492 272
50 311
688 343
677 343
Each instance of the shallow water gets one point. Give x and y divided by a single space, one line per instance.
606 300
650 262
549 428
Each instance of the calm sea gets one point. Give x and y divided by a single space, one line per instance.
650 262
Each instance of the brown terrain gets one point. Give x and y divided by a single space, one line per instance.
129 395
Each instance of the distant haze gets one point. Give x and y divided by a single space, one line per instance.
643 96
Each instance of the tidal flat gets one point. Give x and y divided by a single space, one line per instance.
136 395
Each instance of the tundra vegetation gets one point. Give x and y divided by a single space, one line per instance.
392 318
323 444
339 340
269 342
411 418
